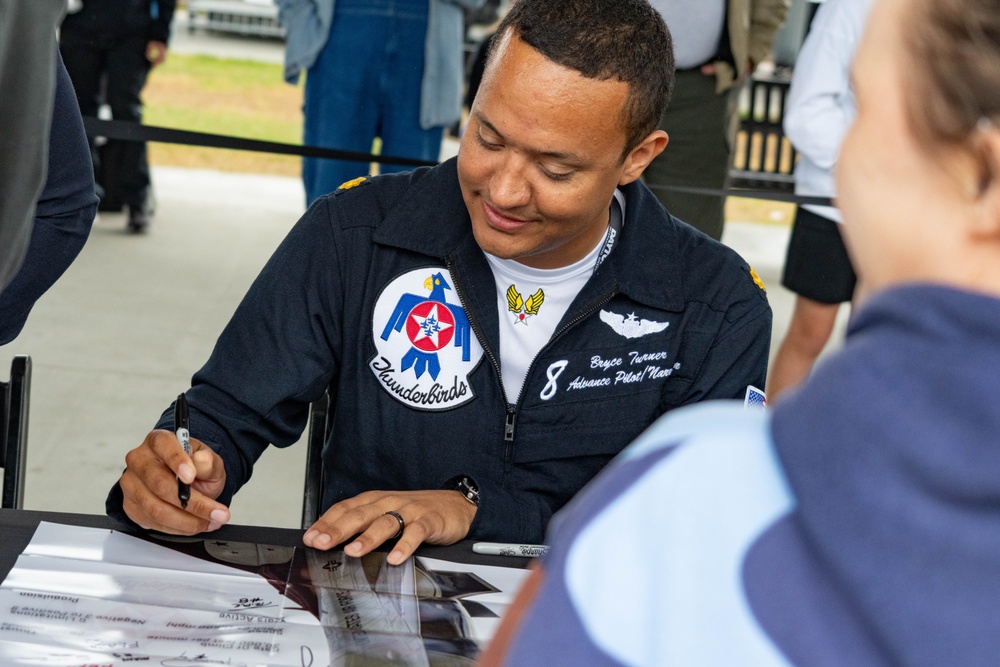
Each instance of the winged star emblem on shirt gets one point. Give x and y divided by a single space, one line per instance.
631 326
523 307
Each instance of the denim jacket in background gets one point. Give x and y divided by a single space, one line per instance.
307 23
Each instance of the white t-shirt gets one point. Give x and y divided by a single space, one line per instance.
532 302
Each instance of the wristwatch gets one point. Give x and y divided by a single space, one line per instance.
464 485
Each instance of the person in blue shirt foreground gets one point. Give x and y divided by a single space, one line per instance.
858 522
491 331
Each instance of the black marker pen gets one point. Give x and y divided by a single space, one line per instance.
183 437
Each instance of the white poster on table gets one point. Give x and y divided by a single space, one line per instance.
85 596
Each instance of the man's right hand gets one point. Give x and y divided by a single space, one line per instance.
149 486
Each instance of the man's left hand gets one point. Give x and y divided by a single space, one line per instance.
435 517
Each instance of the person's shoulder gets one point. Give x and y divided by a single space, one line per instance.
385 188
716 274
366 200
699 268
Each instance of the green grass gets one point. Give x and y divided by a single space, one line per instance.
223 74
233 97
232 122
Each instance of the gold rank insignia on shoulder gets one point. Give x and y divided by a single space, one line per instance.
352 183
756 279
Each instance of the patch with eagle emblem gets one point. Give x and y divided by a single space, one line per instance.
426 348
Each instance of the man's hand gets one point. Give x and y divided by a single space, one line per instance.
156 52
709 69
435 517
149 486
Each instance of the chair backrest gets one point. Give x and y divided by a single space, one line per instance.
319 416
14 396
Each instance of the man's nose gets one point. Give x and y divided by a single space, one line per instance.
509 186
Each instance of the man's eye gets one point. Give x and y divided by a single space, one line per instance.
555 175
487 145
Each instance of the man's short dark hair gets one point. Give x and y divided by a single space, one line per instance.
604 39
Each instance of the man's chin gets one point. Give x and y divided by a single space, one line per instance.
494 242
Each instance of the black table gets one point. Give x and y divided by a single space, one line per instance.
17 527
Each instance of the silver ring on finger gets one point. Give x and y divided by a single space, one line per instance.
402 524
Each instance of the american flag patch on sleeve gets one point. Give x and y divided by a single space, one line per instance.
755 398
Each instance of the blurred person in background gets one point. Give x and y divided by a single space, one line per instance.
27 86
856 522
819 109
718 45
391 69
109 47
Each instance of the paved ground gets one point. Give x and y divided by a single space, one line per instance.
120 335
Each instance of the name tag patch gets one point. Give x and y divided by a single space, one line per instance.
633 369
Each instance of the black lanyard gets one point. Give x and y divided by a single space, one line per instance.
614 229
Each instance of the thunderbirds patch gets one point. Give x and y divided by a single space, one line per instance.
426 347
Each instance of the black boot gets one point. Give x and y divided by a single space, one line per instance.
139 218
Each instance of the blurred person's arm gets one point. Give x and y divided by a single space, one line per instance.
159 32
63 215
307 24
766 16
159 29
27 82
820 104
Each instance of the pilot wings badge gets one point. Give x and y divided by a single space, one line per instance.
523 307
631 326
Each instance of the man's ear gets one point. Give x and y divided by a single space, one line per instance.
986 218
640 156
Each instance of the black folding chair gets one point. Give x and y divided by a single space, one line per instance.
319 416
14 431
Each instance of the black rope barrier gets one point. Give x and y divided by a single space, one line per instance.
770 195
129 131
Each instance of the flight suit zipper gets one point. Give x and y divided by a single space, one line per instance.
511 411
509 423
